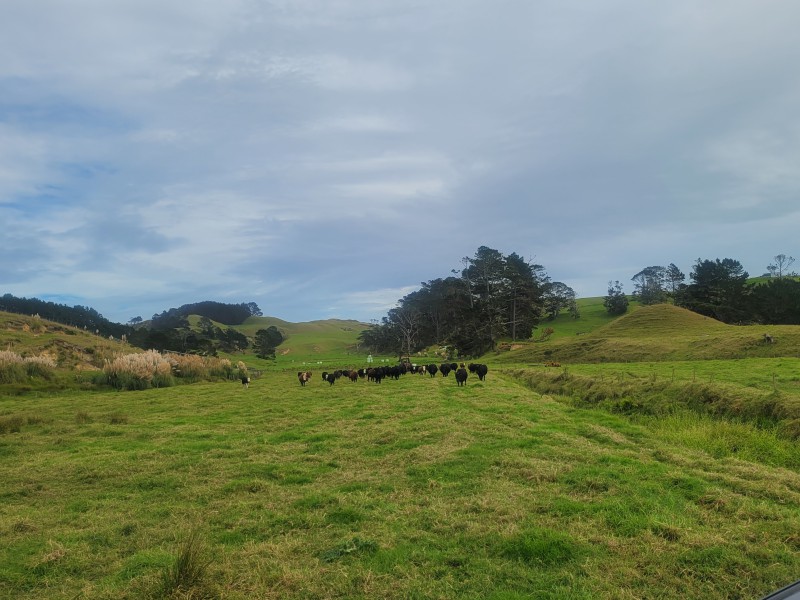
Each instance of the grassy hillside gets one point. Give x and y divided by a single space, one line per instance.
70 347
592 316
331 340
313 340
410 489
660 332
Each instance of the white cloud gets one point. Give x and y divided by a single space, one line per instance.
177 146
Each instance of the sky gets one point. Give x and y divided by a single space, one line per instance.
322 158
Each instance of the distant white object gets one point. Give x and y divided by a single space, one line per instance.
369 358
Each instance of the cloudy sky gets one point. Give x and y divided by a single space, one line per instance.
324 157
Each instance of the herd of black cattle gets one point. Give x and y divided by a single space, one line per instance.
378 374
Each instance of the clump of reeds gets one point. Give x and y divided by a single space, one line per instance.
138 371
16 369
40 366
193 367
151 369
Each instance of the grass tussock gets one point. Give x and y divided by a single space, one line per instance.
186 576
15 423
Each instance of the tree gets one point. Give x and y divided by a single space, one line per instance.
406 320
233 341
557 297
135 320
491 297
780 267
616 302
649 285
523 290
718 290
777 301
674 279
266 341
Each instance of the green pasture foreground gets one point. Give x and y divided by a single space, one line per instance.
408 489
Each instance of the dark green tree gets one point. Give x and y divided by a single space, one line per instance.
266 341
776 301
616 302
233 341
718 289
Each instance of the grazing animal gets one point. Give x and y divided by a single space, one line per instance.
245 381
768 339
303 377
481 370
461 376
353 375
445 369
432 370
330 377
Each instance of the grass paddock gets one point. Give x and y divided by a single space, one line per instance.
409 489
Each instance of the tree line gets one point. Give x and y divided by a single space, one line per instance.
169 330
494 296
718 288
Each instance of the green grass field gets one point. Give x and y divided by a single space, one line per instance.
409 489
660 460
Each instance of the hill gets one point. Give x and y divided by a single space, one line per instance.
656 333
70 347
311 340
592 316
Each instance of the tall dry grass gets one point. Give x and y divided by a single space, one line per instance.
16 369
151 369
138 371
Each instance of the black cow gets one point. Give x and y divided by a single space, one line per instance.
445 369
432 370
461 376
479 370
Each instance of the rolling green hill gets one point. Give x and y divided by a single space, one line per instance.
653 333
311 341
